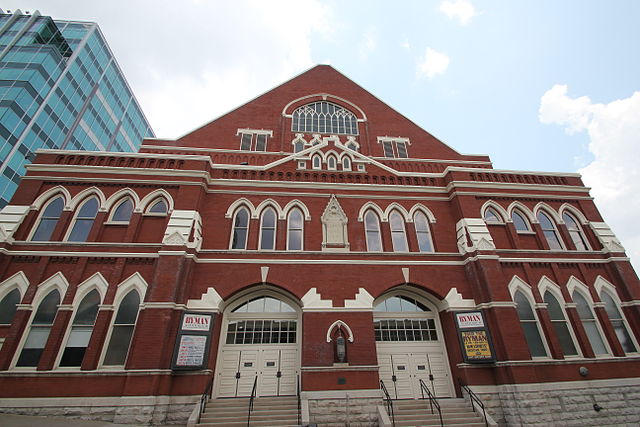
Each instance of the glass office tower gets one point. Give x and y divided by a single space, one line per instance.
60 87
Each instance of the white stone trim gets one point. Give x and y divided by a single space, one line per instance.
209 301
362 300
337 324
43 198
11 216
313 300
96 281
18 281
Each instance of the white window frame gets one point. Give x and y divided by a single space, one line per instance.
72 223
528 296
115 206
558 297
524 218
275 228
394 142
404 231
429 232
41 213
233 228
153 203
253 144
313 162
611 292
291 211
334 166
579 231
120 296
366 232
590 305
563 246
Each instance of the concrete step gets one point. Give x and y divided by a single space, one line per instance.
267 412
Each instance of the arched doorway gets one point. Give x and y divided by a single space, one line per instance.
410 346
259 342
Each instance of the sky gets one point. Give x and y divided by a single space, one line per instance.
540 85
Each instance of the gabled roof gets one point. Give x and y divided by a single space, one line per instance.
272 111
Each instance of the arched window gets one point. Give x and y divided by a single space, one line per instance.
529 323
122 330
48 220
268 229
81 330
398 233
346 163
402 318
317 162
331 163
577 236
324 117
159 207
590 324
372 232
490 215
618 322
84 221
519 221
8 306
277 324
39 331
240 229
423 233
122 212
550 231
295 230
560 326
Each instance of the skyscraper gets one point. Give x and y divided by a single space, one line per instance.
60 87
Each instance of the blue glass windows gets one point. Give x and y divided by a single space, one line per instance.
268 224
84 221
123 211
39 331
550 231
122 330
240 229
48 220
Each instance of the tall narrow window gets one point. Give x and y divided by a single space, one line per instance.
422 232
372 232
590 324
490 215
346 163
123 211
159 207
398 233
39 332
81 330
519 222
529 324
245 141
577 236
331 163
550 231
48 220
317 162
295 230
122 331
401 146
560 326
84 221
261 142
298 146
240 229
618 323
268 229
8 306
387 147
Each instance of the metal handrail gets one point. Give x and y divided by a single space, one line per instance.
388 402
208 391
253 396
299 403
432 399
474 398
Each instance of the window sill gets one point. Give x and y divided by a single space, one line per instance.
526 232
116 223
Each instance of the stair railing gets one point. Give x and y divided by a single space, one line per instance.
299 401
433 402
208 391
251 399
474 398
388 402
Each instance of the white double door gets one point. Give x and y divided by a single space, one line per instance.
402 366
275 367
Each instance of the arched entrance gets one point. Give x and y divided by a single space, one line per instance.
410 346
259 339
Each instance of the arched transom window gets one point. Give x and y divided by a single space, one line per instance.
403 318
262 320
324 117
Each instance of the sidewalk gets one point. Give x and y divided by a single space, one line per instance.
7 420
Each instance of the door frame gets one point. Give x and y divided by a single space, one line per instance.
228 315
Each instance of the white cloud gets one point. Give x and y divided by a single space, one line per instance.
614 176
191 61
463 10
433 63
368 43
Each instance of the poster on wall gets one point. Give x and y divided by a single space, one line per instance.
475 339
193 341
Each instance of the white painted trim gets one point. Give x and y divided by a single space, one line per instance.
96 281
502 214
325 97
17 281
43 198
374 206
337 324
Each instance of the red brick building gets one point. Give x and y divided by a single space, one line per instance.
312 235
